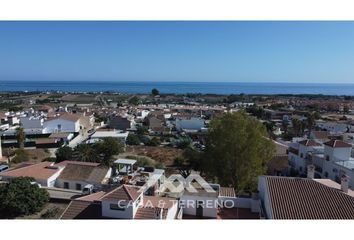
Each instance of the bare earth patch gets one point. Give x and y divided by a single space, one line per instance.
165 155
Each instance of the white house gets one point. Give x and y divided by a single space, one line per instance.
45 173
332 159
76 175
142 114
128 202
63 123
32 125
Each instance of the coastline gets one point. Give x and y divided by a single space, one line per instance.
203 88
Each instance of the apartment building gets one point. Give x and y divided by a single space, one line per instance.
331 159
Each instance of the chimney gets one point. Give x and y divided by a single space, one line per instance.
344 183
311 171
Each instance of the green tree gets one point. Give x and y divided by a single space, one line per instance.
237 151
190 160
85 153
184 142
142 130
296 126
64 153
285 125
155 92
153 142
21 137
107 148
133 139
310 121
21 197
134 100
346 109
316 115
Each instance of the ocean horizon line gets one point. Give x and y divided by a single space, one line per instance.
184 82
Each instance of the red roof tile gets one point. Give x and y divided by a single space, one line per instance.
301 198
309 143
337 144
41 170
124 192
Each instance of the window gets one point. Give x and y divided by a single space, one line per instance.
326 174
66 185
301 155
59 127
119 207
327 158
78 186
137 202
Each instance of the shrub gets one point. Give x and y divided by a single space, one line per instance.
20 156
21 197
133 139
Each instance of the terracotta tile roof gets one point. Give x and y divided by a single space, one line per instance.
82 210
333 184
45 141
66 162
309 143
124 192
301 198
337 144
320 134
227 192
159 202
147 213
2 115
92 197
68 117
86 173
38 171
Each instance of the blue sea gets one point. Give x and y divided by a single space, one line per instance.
180 87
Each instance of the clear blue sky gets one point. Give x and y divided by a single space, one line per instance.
178 51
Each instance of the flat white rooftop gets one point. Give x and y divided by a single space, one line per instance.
125 161
103 134
347 164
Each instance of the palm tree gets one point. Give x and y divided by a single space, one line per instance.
21 137
85 153
296 126
285 125
310 122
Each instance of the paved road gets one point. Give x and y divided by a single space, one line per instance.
78 139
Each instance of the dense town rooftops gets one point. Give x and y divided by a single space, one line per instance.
337 144
320 134
68 117
309 143
123 192
301 198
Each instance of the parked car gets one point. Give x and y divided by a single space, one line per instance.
4 167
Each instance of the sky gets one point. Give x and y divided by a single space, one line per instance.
302 52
